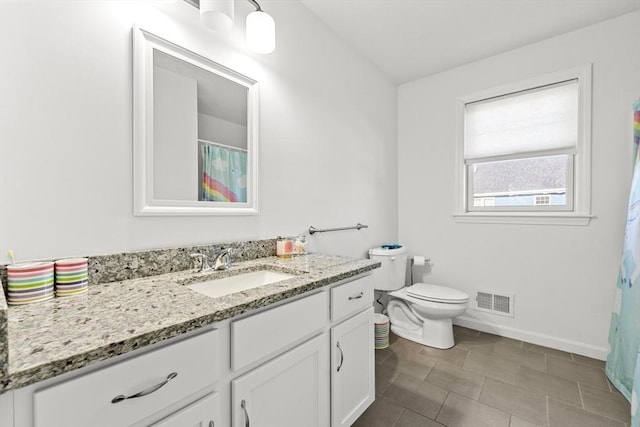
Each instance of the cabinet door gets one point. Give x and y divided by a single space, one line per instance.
352 368
203 413
291 390
6 409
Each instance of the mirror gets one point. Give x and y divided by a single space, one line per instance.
195 133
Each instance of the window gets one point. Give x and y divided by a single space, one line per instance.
524 151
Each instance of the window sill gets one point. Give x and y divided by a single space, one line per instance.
554 218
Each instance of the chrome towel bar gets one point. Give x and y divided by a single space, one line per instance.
313 230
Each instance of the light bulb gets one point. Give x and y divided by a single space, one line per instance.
261 32
217 14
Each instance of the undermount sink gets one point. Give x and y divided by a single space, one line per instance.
240 282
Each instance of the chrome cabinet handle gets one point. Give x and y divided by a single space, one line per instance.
243 405
211 424
357 296
341 356
146 391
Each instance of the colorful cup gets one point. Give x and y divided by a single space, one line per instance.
29 282
72 277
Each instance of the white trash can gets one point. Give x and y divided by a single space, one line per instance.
381 331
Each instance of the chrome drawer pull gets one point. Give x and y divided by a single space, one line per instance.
341 356
243 405
357 296
146 391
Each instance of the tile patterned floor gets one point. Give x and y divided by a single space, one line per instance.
490 381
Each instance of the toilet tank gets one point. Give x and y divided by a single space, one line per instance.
390 276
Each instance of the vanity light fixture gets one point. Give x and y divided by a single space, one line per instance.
260 26
217 14
261 30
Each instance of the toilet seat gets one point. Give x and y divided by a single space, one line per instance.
436 293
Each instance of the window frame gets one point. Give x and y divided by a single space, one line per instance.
578 192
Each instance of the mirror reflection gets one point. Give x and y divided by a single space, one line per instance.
200 133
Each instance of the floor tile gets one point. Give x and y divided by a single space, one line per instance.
384 378
453 378
381 413
577 372
501 340
519 422
455 355
407 359
487 380
399 343
563 415
492 366
529 406
412 419
524 357
417 395
382 355
550 385
480 343
588 361
460 411
546 350
460 330
606 403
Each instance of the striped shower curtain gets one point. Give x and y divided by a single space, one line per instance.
623 360
224 174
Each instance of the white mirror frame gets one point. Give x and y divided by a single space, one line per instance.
145 204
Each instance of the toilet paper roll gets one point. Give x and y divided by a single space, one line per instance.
419 260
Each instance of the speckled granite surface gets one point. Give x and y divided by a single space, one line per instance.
60 335
4 352
132 265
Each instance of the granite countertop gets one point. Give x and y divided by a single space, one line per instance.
57 336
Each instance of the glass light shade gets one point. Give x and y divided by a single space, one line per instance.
261 32
217 14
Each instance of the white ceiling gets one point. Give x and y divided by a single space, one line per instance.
409 39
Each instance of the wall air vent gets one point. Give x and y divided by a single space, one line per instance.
495 302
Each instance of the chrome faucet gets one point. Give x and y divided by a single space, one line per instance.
204 262
222 261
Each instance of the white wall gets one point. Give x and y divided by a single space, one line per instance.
563 276
215 129
175 136
327 131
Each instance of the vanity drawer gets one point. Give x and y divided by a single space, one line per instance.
88 400
351 297
262 334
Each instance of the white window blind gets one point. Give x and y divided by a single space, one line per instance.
537 120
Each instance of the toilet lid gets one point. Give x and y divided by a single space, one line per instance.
437 293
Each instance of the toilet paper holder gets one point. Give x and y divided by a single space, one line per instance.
420 260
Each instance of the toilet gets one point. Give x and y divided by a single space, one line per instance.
421 312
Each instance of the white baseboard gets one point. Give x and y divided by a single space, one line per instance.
588 350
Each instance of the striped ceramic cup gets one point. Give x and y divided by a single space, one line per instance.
29 282
72 277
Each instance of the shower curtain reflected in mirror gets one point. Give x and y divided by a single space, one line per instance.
224 174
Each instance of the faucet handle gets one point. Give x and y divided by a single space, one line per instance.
204 261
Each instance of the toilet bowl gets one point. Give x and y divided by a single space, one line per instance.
423 313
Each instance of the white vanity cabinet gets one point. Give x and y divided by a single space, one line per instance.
352 368
127 392
203 413
352 351
303 362
291 390
6 409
